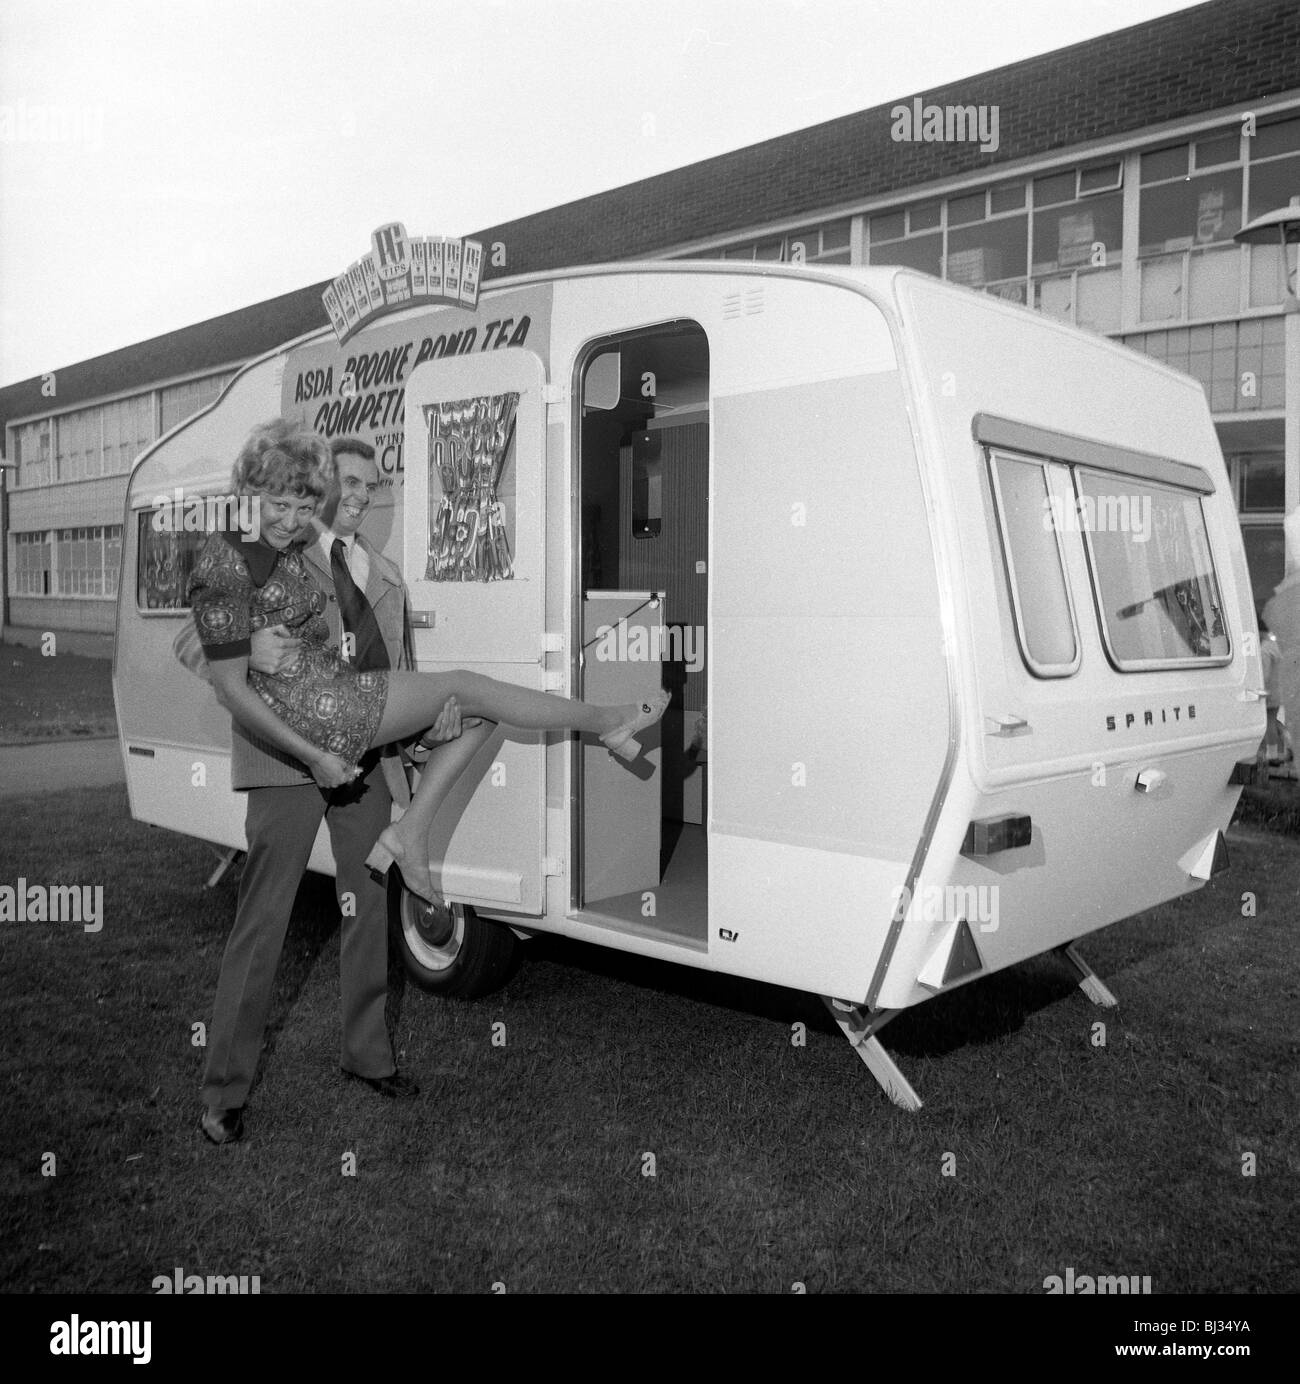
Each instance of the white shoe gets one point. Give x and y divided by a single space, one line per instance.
620 741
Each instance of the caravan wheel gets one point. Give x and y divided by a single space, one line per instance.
476 958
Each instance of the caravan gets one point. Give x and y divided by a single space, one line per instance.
951 600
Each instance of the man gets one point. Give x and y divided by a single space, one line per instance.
367 614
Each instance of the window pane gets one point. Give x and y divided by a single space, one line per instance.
1066 236
1213 283
164 563
924 217
1099 300
1195 211
769 250
1263 483
1217 149
992 250
1265 276
1280 138
835 235
1273 185
920 253
1101 177
1008 197
1151 556
888 226
1058 187
963 210
1055 297
1265 557
1162 289
1164 163
1033 556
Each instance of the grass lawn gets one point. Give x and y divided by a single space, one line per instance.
774 1164
55 698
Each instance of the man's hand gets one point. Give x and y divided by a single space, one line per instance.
274 650
446 727
330 771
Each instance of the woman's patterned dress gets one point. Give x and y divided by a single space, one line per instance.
238 587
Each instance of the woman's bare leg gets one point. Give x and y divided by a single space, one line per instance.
415 699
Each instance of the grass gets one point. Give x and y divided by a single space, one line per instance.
525 1164
61 697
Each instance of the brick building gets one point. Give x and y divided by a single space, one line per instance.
1122 168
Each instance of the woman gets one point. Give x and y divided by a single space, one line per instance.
323 711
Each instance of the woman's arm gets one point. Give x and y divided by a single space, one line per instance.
230 682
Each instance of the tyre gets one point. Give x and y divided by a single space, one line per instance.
472 957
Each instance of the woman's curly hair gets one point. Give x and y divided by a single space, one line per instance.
283 457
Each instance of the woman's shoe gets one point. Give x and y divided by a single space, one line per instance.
620 741
388 851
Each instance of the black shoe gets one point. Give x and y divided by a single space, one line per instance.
398 1086
222 1127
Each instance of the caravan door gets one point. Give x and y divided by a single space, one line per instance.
474 561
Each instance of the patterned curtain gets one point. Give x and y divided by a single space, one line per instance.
469 533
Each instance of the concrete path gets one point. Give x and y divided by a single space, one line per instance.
28 769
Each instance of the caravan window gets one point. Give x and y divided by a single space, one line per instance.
1031 550
1153 572
164 561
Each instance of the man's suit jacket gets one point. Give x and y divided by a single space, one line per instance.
257 764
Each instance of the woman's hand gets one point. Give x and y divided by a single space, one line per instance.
330 771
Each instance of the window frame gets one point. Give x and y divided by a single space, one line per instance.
1149 665
1043 671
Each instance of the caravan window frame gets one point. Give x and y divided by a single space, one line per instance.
1039 669
1149 665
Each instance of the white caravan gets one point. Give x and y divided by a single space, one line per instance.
952 600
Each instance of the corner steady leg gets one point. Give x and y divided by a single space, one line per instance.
227 859
860 1025
1089 982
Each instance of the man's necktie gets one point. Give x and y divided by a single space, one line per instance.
358 618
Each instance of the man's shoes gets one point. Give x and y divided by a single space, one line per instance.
222 1126
397 1086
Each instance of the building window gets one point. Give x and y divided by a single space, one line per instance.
180 401
87 560
1274 179
32 444
1186 220
908 238
31 568
823 244
1261 484
80 450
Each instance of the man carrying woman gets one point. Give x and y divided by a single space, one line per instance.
314 710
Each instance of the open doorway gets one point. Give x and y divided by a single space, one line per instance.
643 505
